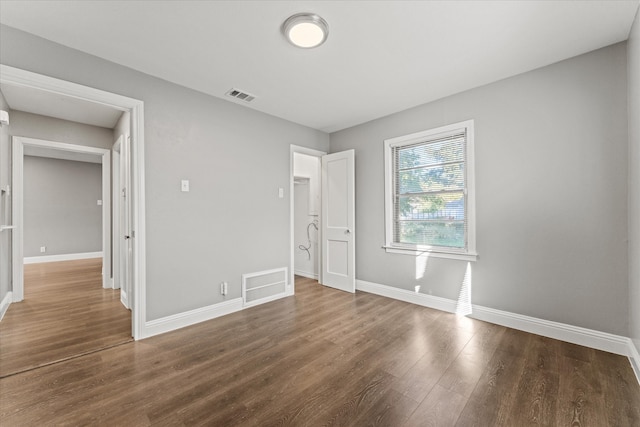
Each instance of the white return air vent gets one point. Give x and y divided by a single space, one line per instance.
241 95
264 286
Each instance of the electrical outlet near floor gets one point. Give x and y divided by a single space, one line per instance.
43 249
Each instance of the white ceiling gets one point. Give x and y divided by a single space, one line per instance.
381 56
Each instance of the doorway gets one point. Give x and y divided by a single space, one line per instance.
68 151
305 214
68 308
96 99
306 218
322 205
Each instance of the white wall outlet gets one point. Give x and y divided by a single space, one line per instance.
184 185
281 192
99 202
224 288
43 249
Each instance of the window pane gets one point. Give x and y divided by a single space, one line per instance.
442 207
426 154
435 178
431 233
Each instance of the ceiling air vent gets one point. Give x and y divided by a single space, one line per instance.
241 95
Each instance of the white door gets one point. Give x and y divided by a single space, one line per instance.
338 224
115 216
126 295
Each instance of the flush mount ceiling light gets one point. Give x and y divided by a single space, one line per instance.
305 30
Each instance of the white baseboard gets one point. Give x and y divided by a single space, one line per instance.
430 301
6 302
181 320
634 358
305 274
124 299
62 257
560 331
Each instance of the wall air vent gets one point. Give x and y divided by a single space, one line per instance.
241 95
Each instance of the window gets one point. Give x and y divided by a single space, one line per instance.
429 192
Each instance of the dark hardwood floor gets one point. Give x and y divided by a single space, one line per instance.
65 313
326 357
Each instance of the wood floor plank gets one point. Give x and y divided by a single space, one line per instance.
326 357
537 394
621 396
443 342
440 408
492 399
580 400
465 370
65 313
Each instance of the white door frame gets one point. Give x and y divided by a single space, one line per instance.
309 152
17 77
115 209
19 142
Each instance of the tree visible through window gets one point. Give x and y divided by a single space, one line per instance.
429 178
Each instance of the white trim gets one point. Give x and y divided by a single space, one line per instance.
634 359
138 291
309 152
6 302
305 274
61 257
433 254
115 210
17 77
191 317
17 253
468 254
417 298
124 298
582 336
561 331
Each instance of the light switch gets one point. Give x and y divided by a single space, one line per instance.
185 185
281 192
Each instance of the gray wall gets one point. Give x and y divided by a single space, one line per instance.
5 205
551 193
60 206
232 221
633 52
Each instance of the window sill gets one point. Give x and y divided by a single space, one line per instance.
471 256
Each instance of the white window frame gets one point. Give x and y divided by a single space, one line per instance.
467 254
